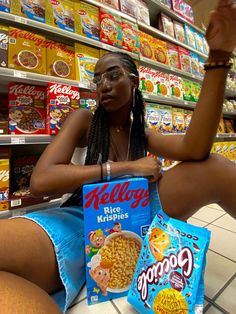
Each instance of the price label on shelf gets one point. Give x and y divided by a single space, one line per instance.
20 74
21 20
17 140
16 202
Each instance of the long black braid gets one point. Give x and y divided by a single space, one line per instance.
99 139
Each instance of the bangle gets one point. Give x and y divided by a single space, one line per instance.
108 170
218 65
101 171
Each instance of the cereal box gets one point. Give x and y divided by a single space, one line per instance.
166 25
199 42
195 91
86 58
179 32
102 52
178 6
5 6
176 86
130 39
60 60
190 35
142 12
27 112
32 9
232 151
61 101
145 45
110 30
111 3
129 7
153 116
187 119
194 63
201 62
166 125
147 80
26 51
185 60
87 21
116 218
3 114
88 100
229 126
188 13
187 88
173 55
4 183
221 126
60 13
178 120
4 46
159 51
162 83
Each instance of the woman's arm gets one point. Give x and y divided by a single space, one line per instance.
197 142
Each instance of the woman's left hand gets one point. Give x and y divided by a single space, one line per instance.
221 32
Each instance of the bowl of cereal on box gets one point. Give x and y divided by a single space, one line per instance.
27 59
122 250
61 68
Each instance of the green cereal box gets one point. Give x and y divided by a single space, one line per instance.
187 86
195 91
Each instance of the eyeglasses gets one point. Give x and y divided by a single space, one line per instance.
111 76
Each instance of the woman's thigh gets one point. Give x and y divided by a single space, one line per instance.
190 185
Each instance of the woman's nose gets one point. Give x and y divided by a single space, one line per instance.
105 84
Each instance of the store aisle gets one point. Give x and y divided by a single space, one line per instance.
220 276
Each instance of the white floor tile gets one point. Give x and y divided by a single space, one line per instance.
124 307
227 299
213 310
223 242
215 206
197 222
226 222
83 308
218 271
208 214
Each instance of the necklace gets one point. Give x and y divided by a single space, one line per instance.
115 148
119 128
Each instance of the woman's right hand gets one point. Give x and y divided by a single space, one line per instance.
147 167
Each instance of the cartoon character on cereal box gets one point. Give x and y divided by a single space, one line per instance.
100 272
116 228
97 239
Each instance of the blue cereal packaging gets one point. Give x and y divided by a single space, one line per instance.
169 273
116 218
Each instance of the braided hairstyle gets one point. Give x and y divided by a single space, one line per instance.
99 138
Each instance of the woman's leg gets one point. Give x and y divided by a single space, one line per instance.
27 251
190 185
22 296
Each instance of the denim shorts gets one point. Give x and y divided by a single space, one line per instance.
64 227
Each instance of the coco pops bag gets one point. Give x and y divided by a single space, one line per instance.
169 272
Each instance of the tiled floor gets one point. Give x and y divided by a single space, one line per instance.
220 275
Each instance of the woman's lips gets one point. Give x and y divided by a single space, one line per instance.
106 98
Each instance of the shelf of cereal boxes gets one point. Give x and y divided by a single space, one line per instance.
19 206
155 7
25 139
226 137
48 29
153 31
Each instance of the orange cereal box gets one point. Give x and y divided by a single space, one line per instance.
60 13
111 30
159 51
27 51
130 39
87 21
145 45
60 60
176 86
32 9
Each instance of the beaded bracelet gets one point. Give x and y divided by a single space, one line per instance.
108 170
217 65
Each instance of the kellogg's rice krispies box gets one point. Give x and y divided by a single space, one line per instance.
61 101
116 218
27 109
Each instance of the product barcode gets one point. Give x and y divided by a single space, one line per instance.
94 298
15 203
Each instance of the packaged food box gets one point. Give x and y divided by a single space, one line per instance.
31 9
201 62
179 32
162 84
229 126
187 87
61 101
4 46
166 125
60 60
176 86
218 148
153 116
87 21
199 42
88 100
129 7
111 3
5 6
147 80
102 52
166 24
159 51
60 13
188 13
185 60
232 151
145 44
4 183
26 51
130 38
86 58
110 29
187 119
178 120
178 6
221 126
190 36
3 114
194 63
27 109
173 55
195 91
116 218
142 12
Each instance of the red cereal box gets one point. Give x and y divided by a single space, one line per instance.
27 111
111 30
61 101
130 39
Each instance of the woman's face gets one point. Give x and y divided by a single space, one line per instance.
114 91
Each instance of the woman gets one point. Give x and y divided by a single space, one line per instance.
43 254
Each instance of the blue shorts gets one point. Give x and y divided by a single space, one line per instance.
65 228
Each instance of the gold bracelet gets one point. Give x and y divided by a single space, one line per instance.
217 65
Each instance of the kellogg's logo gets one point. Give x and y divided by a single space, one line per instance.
64 90
33 91
18 33
120 193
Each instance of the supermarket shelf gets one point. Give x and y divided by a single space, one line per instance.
169 101
153 31
229 113
155 7
48 29
226 136
230 93
166 68
25 139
